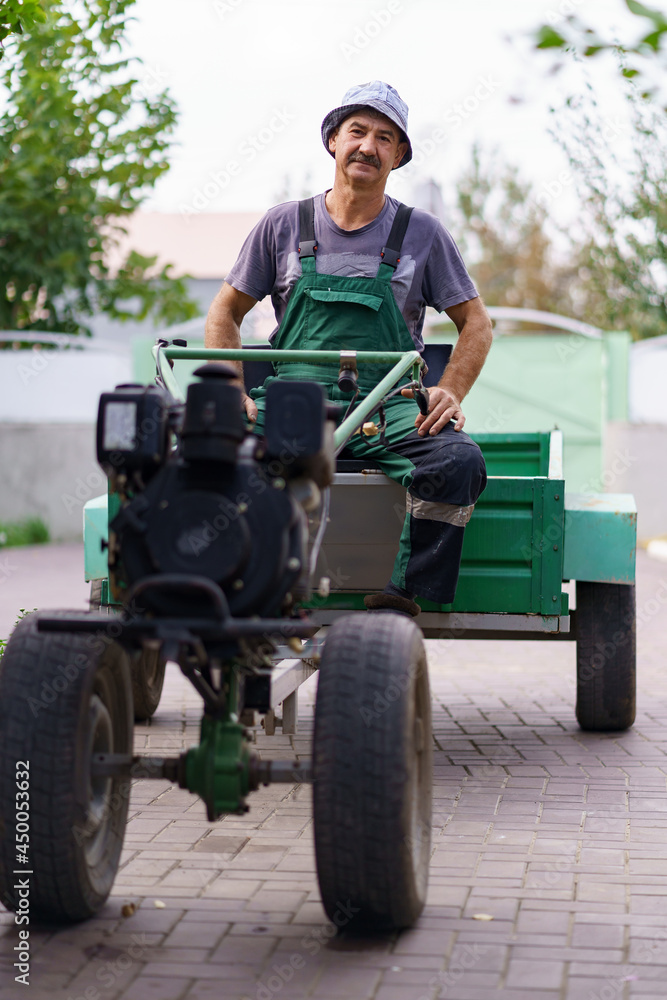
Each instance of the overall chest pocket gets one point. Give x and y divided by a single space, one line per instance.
367 299
341 319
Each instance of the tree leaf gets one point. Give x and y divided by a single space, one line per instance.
549 38
656 16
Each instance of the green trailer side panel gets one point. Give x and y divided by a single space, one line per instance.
600 537
515 454
513 550
95 531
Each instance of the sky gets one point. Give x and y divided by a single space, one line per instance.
254 78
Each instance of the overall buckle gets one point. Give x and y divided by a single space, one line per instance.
390 256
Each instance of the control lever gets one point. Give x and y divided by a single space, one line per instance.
348 375
421 395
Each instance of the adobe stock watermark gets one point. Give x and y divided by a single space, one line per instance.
552 533
224 7
41 358
464 960
248 150
7 568
152 82
280 975
109 972
553 189
495 420
565 9
69 670
646 954
453 119
364 34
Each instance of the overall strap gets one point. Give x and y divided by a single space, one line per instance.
391 253
307 241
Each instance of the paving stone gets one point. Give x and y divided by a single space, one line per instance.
356 981
416 942
526 974
193 934
157 988
597 936
404 992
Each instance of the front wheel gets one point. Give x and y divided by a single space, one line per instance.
372 762
64 698
147 667
606 656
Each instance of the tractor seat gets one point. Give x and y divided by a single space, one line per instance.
346 462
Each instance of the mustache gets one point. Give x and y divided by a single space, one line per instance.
362 158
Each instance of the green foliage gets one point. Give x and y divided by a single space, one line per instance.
501 230
610 268
81 144
31 531
622 228
23 613
643 51
548 38
17 16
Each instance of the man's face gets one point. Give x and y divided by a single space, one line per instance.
367 148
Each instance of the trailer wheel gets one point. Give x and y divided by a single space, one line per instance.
147 668
606 656
372 762
63 698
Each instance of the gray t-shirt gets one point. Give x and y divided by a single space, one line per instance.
431 271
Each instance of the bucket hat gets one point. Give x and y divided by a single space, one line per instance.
375 94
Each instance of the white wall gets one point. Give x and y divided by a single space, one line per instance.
54 386
648 381
49 470
635 461
48 411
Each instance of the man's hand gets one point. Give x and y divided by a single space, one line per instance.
442 407
444 400
250 408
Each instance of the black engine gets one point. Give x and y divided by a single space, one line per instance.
222 505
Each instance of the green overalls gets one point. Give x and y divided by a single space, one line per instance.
445 473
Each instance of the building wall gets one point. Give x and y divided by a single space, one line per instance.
49 470
634 462
53 386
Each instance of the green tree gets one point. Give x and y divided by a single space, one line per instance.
621 230
503 233
81 145
16 16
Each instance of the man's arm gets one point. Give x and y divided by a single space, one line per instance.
223 328
470 351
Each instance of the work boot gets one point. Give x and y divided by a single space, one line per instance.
393 598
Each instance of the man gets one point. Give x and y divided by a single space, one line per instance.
353 269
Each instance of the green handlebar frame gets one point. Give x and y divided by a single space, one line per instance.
402 362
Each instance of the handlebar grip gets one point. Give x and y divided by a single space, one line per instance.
421 395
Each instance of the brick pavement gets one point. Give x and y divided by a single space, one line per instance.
557 835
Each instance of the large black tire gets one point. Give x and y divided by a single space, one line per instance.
147 668
372 760
606 656
63 697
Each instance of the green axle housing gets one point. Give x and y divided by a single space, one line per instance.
218 770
